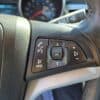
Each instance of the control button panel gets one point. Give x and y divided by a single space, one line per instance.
57 53
60 55
77 54
50 54
40 55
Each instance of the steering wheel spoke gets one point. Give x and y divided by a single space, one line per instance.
58 48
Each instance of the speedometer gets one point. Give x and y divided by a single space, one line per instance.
43 10
40 10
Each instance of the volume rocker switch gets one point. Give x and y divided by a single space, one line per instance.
40 55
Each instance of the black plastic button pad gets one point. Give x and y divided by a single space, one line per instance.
50 54
54 63
40 55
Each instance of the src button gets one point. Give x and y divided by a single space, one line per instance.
57 53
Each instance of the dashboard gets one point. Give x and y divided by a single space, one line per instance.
43 10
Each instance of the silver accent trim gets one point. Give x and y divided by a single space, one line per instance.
20 8
36 87
1 50
63 7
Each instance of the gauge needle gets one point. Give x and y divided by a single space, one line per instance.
36 14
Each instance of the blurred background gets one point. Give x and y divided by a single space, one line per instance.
50 8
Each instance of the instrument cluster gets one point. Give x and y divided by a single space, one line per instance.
42 10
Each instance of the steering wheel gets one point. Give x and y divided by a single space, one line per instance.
37 56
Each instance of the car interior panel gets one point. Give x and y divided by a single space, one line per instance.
49 49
